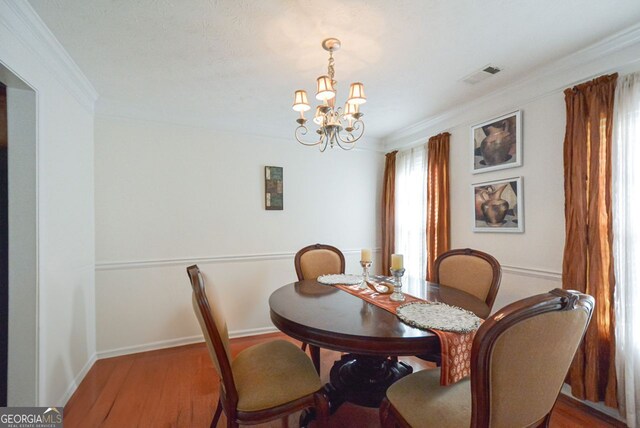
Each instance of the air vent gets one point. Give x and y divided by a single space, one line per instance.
491 69
482 74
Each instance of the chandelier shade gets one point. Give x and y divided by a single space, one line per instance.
325 88
356 94
337 126
300 102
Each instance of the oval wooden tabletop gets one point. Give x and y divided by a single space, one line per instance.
330 318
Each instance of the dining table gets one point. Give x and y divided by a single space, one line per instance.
370 337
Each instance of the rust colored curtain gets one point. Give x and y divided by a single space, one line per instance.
587 265
438 215
388 211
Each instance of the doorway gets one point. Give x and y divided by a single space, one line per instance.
18 243
4 247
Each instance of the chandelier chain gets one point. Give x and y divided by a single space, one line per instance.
331 70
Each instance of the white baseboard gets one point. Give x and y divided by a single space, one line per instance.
181 341
609 411
76 382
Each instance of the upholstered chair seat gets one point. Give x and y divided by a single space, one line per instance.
422 401
271 374
263 382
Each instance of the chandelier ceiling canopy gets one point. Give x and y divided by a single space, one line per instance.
341 126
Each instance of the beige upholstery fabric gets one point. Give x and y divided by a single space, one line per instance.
423 402
528 366
319 262
219 320
271 374
470 274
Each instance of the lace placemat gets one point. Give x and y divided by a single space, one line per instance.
340 279
438 316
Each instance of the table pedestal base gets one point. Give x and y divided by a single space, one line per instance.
363 379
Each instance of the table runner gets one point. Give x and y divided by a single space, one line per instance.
455 348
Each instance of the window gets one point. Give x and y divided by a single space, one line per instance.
410 209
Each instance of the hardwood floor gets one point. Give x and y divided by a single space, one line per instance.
178 387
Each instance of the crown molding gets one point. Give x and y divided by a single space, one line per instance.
24 23
610 45
107 109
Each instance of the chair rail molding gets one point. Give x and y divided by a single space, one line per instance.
241 258
532 272
247 258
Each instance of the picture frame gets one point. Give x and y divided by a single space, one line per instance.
273 188
497 143
498 205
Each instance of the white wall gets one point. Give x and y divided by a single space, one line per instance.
23 279
169 195
531 261
65 239
540 247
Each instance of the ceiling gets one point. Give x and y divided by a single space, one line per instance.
233 65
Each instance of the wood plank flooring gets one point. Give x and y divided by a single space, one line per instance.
178 387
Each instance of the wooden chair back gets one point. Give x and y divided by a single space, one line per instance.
214 329
471 271
521 355
318 259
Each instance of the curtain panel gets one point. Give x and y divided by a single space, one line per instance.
438 211
388 211
411 202
626 244
588 260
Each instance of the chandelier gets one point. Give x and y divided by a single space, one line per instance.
336 126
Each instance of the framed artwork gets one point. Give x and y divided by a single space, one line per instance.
497 206
497 143
273 188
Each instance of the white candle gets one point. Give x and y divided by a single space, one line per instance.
365 255
396 261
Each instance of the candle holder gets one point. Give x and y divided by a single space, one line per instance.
397 295
366 265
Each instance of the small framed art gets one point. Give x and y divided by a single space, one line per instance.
273 195
498 206
497 143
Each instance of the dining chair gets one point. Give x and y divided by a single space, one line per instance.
318 259
472 271
264 382
311 262
519 359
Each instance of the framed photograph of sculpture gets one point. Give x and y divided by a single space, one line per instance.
273 194
497 206
497 143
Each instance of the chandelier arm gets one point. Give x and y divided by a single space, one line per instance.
358 125
302 131
323 147
351 147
